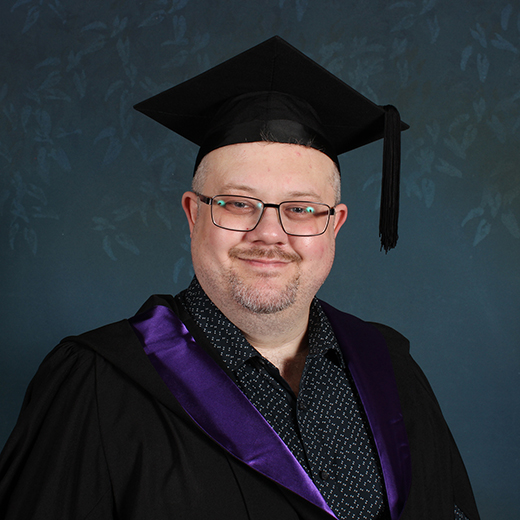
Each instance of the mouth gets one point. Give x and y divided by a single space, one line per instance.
262 263
264 257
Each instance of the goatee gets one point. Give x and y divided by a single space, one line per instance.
263 299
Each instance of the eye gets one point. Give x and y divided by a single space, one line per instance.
238 205
241 204
295 209
299 210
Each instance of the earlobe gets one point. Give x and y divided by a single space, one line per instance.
190 207
340 217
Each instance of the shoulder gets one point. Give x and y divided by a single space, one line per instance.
67 362
102 338
117 343
73 362
397 343
373 342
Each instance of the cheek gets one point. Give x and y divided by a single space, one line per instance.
318 248
202 244
213 243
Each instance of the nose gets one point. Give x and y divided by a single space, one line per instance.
269 229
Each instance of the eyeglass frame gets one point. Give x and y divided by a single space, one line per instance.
209 201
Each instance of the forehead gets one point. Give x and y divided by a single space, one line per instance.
264 168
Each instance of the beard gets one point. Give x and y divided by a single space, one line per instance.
263 295
262 300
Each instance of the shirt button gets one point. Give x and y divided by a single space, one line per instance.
302 406
324 475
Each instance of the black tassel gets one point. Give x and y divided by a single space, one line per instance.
389 211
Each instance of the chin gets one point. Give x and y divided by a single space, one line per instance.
264 297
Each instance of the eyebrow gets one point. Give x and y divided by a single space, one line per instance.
248 189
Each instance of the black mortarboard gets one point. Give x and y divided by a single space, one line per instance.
274 92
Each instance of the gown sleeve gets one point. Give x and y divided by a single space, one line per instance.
440 482
53 464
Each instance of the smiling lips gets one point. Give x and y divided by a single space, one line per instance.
264 256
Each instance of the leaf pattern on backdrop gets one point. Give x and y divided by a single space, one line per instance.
68 118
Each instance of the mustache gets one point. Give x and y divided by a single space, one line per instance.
260 252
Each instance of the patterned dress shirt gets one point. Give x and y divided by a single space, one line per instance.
324 426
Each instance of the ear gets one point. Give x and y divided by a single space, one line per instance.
340 216
190 206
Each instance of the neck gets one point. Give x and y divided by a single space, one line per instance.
289 357
279 337
269 331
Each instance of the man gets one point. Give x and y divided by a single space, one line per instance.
244 396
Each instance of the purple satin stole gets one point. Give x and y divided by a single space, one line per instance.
367 357
218 406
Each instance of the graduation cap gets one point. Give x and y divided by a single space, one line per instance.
274 92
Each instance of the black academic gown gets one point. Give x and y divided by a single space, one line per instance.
101 436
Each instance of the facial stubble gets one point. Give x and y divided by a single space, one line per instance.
256 296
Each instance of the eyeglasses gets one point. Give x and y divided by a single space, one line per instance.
239 213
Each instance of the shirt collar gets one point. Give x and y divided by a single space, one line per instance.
223 335
322 340
231 343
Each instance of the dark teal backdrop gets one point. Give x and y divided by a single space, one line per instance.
91 222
